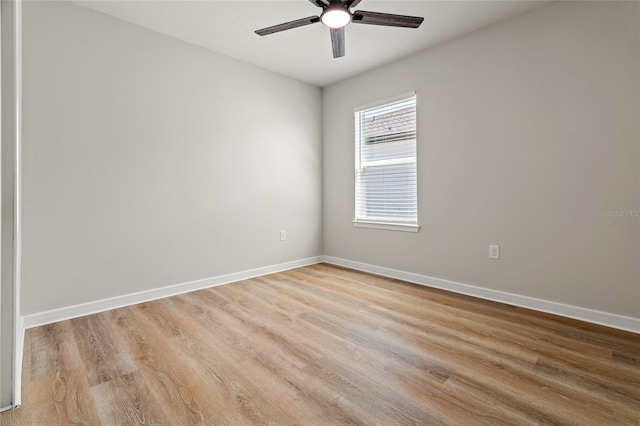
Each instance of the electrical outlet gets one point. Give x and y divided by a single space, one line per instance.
283 235
494 252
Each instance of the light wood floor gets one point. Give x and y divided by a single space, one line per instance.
324 345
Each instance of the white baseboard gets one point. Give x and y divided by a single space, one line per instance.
17 368
584 314
55 315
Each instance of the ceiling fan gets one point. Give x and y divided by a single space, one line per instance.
336 14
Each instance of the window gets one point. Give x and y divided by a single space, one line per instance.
386 175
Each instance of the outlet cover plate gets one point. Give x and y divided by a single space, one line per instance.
494 252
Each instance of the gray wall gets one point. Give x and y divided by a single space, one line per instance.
528 132
149 162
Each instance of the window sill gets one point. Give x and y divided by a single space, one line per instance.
387 226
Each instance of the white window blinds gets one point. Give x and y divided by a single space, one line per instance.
386 176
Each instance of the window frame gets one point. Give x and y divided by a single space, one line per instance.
382 224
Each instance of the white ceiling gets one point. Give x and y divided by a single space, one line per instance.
304 53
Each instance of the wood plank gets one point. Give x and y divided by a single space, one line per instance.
103 354
62 398
53 350
125 400
172 387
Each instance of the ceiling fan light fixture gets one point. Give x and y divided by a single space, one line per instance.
336 14
335 17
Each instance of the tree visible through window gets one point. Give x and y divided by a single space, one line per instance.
386 175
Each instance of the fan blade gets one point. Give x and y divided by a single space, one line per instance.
386 19
288 25
337 42
320 3
351 3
